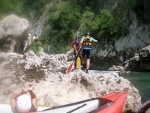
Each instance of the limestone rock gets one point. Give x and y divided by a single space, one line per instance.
56 88
13 31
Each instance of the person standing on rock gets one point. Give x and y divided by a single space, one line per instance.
86 43
22 103
76 46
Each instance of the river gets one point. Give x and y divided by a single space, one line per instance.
141 80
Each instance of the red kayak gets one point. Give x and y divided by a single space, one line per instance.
110 103
118 100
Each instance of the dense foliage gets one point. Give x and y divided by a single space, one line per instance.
64 24
79 16
66 17
10 6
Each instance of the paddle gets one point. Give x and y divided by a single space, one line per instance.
102 107
77 108
78 62
70 67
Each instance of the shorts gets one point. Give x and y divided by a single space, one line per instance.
86 53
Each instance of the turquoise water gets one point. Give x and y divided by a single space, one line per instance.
141 80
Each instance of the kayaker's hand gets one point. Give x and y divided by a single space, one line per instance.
96 41
30 87
24 90
76 52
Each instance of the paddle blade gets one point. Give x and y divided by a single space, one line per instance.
78 62
69 68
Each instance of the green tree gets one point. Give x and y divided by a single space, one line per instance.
63 24
10 6
87 22
106 25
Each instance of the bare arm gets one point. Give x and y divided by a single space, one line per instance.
81 44
33 95
74 47
34 99
13 98
95 41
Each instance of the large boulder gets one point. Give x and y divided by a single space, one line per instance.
13 32
139 62
144 55
53 87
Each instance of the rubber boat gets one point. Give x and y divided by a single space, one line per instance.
110 103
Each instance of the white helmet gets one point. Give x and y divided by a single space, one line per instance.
24 103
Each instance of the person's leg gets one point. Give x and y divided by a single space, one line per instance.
83 63
75 58
88 60
83 59
87 64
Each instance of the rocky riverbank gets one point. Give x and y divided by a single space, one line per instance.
53 86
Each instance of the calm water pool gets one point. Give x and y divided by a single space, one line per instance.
141 80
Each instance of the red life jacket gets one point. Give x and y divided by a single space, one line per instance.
76 43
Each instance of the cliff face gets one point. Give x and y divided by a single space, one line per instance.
13 32
146 4
137 38
126 47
